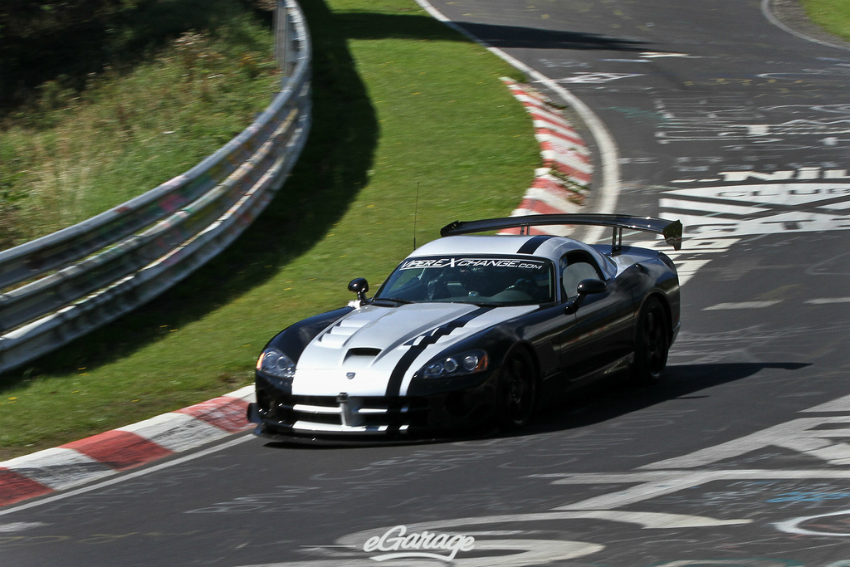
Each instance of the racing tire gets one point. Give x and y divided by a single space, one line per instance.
516 391
652 342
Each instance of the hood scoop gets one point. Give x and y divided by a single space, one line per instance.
362 353
360 358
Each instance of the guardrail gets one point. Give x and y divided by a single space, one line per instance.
79 278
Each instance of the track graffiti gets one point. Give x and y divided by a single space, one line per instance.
596 78
755 562
736 118
726 497
769 208
834 524
721 209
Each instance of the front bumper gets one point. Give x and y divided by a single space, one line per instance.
461 404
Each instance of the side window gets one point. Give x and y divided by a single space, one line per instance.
576 266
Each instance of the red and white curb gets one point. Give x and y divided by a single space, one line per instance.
563 182
124 448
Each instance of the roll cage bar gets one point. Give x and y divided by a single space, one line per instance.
671 230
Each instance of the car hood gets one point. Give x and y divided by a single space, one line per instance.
375 350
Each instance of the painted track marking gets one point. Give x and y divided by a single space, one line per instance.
744 305
828 300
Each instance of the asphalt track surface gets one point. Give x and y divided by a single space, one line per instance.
720 118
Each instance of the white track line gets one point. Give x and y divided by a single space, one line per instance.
827 300
768 13
744 305
608 191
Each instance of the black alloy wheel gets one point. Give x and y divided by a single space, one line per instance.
652 342
516 395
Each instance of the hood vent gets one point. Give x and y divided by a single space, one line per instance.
362 352
360 358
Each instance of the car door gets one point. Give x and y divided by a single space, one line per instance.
601 337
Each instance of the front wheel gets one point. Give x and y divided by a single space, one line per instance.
516 391
652 341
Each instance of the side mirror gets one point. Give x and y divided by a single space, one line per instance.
359 286
591 286
586 287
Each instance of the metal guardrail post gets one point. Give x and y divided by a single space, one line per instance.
114 262
281 35
292 49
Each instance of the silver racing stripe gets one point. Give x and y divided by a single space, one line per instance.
397 376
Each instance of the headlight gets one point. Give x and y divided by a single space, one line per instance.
455 365
274 362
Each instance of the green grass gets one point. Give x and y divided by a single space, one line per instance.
832 15
70 152
399 101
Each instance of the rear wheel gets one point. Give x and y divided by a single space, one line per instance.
516 392
652 341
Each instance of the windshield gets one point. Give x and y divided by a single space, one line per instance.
484 280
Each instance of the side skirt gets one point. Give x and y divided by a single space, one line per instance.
559 384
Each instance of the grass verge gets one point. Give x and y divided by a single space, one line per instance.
82 142
399 101
831 15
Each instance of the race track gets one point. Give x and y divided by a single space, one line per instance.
719 117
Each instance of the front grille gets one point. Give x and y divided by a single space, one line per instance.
350 415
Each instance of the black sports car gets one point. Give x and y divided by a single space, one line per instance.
472 330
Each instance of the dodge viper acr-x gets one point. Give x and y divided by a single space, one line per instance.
471 331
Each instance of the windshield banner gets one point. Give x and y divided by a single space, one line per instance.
520 263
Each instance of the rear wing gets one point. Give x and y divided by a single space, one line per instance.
670 230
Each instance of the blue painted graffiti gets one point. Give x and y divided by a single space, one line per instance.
809 496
